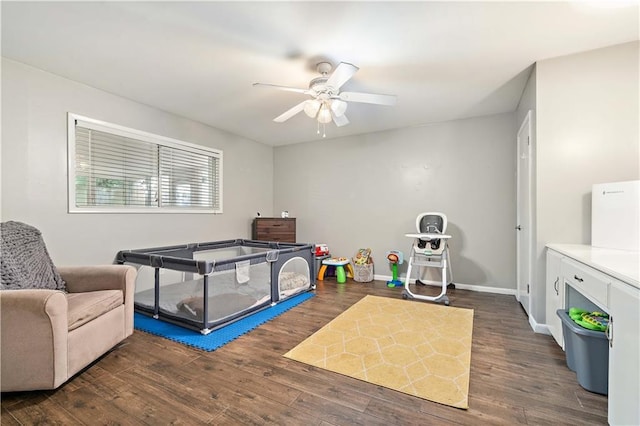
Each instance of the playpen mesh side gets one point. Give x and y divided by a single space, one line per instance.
227 294
293 277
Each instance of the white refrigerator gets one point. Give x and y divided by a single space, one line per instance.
615 215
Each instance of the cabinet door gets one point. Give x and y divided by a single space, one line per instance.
624 354
555 294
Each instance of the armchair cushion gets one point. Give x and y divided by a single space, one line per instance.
84 307
26 263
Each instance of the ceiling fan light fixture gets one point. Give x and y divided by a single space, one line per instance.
324 116
311 108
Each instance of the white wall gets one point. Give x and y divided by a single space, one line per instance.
528 99
587 132
528 103
34 171
366 191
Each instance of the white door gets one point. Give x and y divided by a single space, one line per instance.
523 215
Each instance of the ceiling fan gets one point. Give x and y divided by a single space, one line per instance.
328 102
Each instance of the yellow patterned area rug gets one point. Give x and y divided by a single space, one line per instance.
418 348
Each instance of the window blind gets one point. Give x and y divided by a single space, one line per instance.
120 169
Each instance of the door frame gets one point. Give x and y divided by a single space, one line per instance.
526 122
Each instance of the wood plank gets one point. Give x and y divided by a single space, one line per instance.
39 410
7 419
335 414
87 407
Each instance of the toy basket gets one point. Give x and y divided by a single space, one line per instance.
363 272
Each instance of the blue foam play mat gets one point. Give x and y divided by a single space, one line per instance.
216 338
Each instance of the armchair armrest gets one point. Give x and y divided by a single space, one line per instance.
34 339
81 279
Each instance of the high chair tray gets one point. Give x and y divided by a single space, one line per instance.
429 236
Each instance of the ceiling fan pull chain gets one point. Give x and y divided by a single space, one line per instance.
324 130
318 123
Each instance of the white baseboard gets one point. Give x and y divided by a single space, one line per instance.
470 287
538 328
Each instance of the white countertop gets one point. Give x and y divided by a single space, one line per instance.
621 264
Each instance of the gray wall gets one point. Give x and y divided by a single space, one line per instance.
366 191
34 170
587 132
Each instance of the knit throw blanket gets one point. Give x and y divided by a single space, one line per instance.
25 260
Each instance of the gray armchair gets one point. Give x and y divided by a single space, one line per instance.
50 335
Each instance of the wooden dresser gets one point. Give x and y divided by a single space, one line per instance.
274 229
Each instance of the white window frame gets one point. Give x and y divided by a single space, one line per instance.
118 130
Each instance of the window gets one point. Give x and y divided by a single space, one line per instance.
117 169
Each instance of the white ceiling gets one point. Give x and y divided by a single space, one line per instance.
444 60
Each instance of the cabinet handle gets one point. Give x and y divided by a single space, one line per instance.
609 332
577 278
555 286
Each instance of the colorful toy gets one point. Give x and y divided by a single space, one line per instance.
362 257
597 321
322 250
340 263
396 258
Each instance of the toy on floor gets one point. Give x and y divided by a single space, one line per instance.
396 258
340 263
597 321
362 257
363 266
321 250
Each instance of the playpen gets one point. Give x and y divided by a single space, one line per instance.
205 286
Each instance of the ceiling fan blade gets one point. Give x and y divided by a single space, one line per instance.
338 107
342 74
290 112
369 98
288 89
340 120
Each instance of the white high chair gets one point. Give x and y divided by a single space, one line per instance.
429 250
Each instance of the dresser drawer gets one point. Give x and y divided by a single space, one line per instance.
591 283
276 225
274 229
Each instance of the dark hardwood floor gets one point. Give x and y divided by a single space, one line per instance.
517 377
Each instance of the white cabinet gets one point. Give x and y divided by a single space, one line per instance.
610 280
624 354
555 295
587 281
